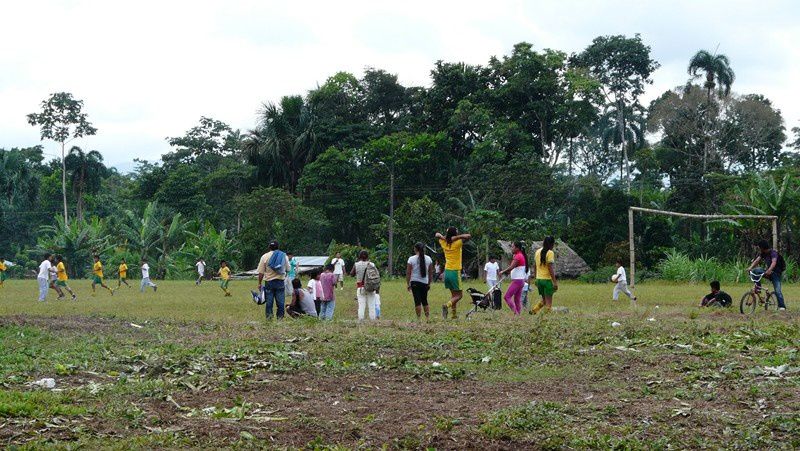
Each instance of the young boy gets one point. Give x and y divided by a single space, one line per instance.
2 271
123 274
61 278
717 297
224 274
201 270
621 283
328 280
146 277
97 276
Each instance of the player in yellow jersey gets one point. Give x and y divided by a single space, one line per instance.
97 276
61 278
123 274
452 243
224 274
3 270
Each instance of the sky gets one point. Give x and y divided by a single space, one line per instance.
147 70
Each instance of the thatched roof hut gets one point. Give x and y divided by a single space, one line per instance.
568 262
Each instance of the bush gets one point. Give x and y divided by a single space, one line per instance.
678 266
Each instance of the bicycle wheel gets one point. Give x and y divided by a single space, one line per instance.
748 303
771 302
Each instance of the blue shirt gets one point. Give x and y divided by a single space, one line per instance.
292 268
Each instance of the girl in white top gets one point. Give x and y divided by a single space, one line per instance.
419 269
621 283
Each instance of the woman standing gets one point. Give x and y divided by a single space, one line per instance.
419 272
518 270
452 244
366 299
545 275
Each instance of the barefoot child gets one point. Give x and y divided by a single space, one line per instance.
123 274
61 277
97 276
224 274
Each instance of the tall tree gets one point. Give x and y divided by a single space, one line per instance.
62 119
623 67
86 171
718 73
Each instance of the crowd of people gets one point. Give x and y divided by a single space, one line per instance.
278 279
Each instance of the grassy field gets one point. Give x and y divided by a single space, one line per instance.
187 367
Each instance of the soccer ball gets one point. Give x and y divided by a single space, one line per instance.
614 278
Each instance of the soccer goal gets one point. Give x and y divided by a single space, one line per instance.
632 245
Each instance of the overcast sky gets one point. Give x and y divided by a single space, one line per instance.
150 69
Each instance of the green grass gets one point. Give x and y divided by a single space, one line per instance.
206 371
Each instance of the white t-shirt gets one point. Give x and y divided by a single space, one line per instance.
145 271
338 265
201 268
414 262
307 303
621 275
44 270
312 287
491 270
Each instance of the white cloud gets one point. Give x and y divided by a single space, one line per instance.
148 69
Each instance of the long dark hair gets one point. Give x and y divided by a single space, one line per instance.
547 245
420 248
521 247
451 232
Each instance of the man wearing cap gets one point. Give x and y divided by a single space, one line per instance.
272 269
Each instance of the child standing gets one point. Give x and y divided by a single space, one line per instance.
328 280
622 283
315 288
97 276
146 277
123 274
225 277
61 277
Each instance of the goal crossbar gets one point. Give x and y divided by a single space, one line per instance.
632 248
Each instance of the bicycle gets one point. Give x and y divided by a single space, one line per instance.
758 295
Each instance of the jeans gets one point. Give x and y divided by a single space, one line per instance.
775 278
365 300
326 309
275 289
44 285
513 295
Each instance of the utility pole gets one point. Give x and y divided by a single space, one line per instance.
391 221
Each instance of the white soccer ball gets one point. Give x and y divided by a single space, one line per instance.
614 278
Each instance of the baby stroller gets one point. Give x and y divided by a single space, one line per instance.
492 299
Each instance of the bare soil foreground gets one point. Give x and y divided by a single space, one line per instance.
661 379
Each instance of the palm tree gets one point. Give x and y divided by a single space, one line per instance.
76 241
285 140
718 75
86 170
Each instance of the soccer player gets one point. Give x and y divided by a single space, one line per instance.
2 271
224 274
61 278
123 274
97 276
146 277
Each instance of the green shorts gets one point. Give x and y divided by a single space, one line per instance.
545 287
61 283
224 284
452 279
2 276
97 280
121 278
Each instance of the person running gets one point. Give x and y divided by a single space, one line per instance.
272 270
53 278
122 272
327 284
3 270
517 269
452 244
775 266
224 274
61 278
545 274
145 268
302 302
338 268
97 276
43 277
366 299
419 274
621 280
201 270
490 270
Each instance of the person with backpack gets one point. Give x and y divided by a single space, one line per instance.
272 269
368 282
775 265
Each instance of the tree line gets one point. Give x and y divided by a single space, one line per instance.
537 142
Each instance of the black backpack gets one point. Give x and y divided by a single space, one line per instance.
781 265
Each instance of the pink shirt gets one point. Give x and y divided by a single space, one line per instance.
328 281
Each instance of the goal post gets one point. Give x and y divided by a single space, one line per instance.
632 244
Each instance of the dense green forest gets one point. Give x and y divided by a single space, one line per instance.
532 143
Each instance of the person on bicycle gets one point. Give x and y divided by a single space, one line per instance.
717 297
775 266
